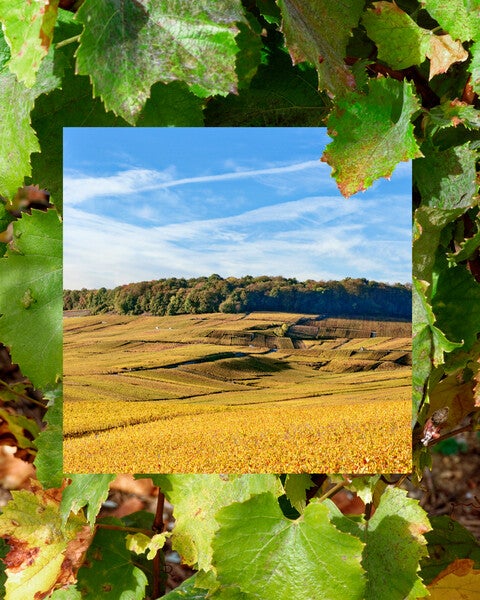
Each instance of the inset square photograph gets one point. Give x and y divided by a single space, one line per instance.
227 310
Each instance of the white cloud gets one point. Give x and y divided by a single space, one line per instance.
78 188
315 237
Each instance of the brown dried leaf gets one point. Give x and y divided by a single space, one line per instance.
443 53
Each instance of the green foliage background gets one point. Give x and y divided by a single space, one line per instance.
392 82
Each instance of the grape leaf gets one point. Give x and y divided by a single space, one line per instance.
17 425
394 544
265 555
454 183
139 543
31 300
70 593
466 249
189 590
296 486
459 581
250 46
402 43
17 138
474 66
85 490
318 32
127 47
197 499
444 52
28 28
428 345
456 304
43 554
364 487
48 462
447 541
377 124
108 571
459 17
5 219
428 225
280 95
451 114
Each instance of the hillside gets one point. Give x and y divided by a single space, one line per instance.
348 297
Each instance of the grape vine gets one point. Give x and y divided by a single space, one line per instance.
391 82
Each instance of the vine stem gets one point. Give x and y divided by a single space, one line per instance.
450 434
124 528
158 566
333 490
75 38
21 396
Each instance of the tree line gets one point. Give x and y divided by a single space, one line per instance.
175 296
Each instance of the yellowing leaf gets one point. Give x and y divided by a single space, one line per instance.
443 52
43 555
140 543
28 28
459 581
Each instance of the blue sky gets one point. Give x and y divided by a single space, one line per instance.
149 203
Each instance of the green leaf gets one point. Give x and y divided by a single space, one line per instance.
423 316
3 577
31 300
28 28
466 249
377 124
250 45
127 48
428 345
474 66
296 486
401 42
458 17
49 459
188 591
85 490
5 219
318 32
265 555
428 225
4 51
280 95
452 114
454 184
364 487
394 545
456 305
269 11
39 550
447 541
197 499
171 105
17 138
70 593
108 571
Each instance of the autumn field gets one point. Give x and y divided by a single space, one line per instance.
263 392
